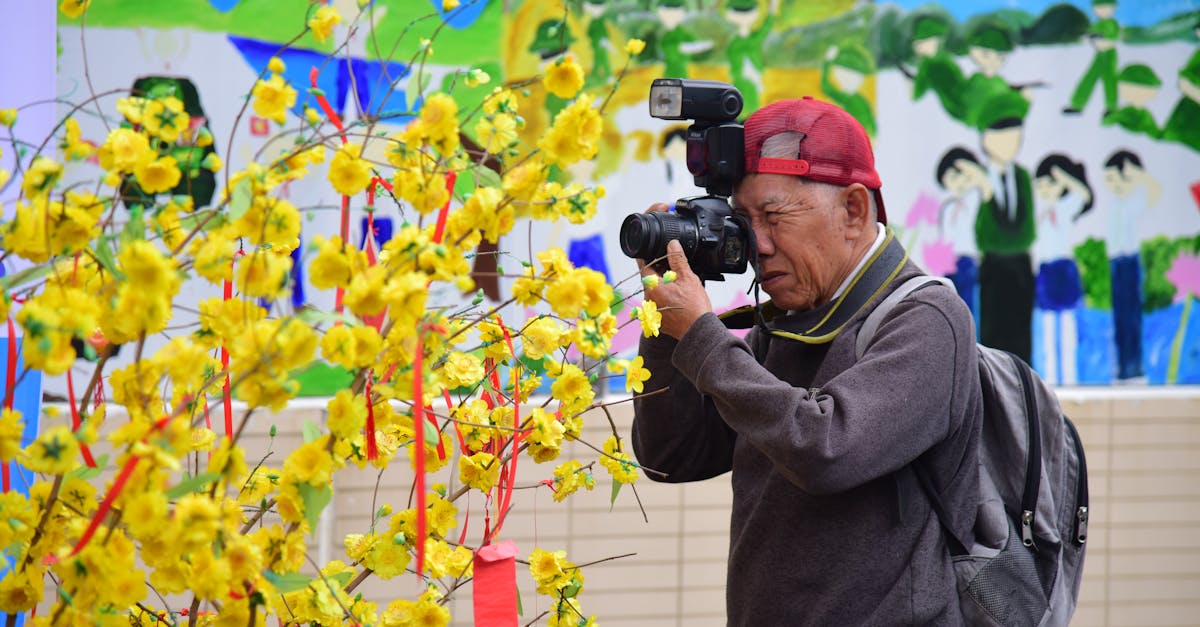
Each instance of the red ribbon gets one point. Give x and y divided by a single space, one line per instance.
75 422
372 446
419 451
507 490
226 396
118 485
10 381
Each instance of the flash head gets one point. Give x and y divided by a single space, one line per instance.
688 99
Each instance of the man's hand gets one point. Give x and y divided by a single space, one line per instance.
681 301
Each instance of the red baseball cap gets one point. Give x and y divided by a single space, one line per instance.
834 147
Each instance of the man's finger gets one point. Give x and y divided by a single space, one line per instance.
677 259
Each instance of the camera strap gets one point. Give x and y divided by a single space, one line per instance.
864 288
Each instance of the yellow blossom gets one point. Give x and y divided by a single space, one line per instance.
618 462
11 427
165 118
42 176
334 263
635 47
158 175
323 21
124 150
263 273
272 98
310 463
74 8
55 451
73 146
480 471
569 476
636 375
564 77
649 317
348 173
276 65
8 117
346 414
449 5
572 388
21 589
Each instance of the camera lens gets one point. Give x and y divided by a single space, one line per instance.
640 233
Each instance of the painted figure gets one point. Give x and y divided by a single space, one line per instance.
1005 230
597 32
960 173
842 75
936 68
745 52
1133 191
989 44
1183 125
1103 34
671 14
1137 85
1064 193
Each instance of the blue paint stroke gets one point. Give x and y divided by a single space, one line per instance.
224 6
1095 355
298 298
463 15
589 253
1159 329
371 80
1128 12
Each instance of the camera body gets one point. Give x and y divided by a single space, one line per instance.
714 240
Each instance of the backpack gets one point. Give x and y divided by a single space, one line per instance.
1025 562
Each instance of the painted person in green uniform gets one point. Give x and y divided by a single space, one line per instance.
745 52
842 75
671 14
936 68
1183 125
1005 230
1137 85
989 44
1103 33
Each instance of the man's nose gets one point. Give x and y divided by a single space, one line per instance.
762 237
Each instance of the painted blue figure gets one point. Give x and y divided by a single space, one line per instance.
1133 191
1061 186
960 173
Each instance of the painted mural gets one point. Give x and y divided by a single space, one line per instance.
1043 155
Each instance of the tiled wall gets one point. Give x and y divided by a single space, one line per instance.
1143 563
660 549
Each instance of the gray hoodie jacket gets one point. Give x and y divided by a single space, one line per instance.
829 525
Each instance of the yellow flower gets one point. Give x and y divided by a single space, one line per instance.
165 118
636 375
569 477
461 370
348 173
449 5
73 146
572 388
55 451
480 471
438 122
21 590
635 47
649 317
8 117
334 263
564 77
337 346
618 462
387 556
542 336
124 150
347 414
263 273
476 77
74 8
276 65
574 135
159 175
11 427
41 176
323 21
272 98
552 572
310 463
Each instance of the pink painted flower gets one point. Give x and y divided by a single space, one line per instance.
1184 274
925 209
939 257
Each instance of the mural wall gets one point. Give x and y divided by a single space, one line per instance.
1044 155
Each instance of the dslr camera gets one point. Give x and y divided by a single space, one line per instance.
714 239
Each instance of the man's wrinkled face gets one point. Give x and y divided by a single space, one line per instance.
800 227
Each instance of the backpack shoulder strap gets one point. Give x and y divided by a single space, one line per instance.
881 311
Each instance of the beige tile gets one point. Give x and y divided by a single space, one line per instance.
1182 537
1085 410
1169 511
1155 562
1166 432
1150 588
1155 613
1183 485
1159 458
1090 615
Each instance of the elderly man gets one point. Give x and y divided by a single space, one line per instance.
829 523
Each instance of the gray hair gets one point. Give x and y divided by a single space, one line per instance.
786 145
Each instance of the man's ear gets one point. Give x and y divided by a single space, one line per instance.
857 200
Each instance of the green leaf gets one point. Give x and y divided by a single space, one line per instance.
86 473
190 221
135 229
616 489
316 91
341 578
311 431
28 274
433 437
104 255
287 582
239 200
193 484
315 500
